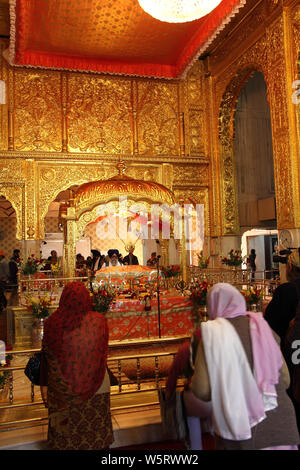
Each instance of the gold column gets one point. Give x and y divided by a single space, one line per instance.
30 207
10 109
135 139
291 116
182 134
64 112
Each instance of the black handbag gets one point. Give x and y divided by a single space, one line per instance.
32 369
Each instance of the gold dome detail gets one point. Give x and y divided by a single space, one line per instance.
121 185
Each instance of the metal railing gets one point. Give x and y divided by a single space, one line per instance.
52 286
124 386
241 278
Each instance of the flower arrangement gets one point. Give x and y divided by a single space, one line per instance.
4 364
56 268
253 295
199 293
234 258
171 271
39 306
30 266
102 299
203 261
82 272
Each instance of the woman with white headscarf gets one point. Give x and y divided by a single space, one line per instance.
240 369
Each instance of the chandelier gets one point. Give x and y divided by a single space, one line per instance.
178 11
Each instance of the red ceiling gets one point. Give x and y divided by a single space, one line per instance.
109 36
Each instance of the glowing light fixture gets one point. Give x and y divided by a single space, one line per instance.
178 11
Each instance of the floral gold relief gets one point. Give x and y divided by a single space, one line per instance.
37 111
99 114
158 118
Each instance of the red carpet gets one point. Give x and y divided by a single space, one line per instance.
207 439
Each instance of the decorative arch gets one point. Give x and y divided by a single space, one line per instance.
226 133
84 207
15 194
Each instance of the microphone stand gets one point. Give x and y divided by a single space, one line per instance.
158 300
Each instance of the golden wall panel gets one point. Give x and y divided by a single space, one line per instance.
197 132
279 91
99 114
37 110
195 175
3 107
142 172
196 118
158 118
194 85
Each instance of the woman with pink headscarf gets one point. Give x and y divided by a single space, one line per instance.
240 369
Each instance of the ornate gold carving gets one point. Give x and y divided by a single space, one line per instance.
195 196
196 175
184 130
30 199
158 112
106 190
99 114
37 111
267 55
194 85
56 178
168 175
64 80
197 132
146 173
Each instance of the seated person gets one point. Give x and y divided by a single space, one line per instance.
97 260
89 262
79 261
152 260
47 264
113 258
130 259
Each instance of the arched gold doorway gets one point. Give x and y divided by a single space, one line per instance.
83 208
228 181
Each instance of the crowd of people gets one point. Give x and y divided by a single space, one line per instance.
242 384
242 368
113 258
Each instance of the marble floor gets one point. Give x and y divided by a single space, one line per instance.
134 426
